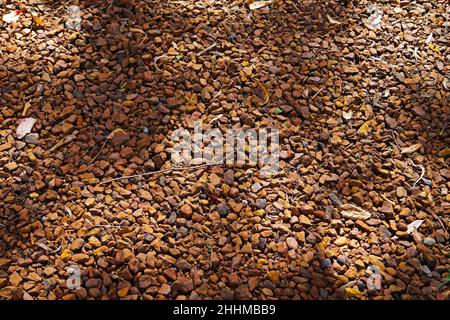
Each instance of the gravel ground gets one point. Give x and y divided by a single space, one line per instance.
359 93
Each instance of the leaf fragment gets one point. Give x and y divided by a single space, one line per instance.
12 16
347 115
414 226
26 106
259 4
265 93
444 153
411 149
38 21
25 127
364 129
332 21
350 211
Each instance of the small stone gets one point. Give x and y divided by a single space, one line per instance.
304 220
306 209
186 210
256 187
77 244
4 147
311 238
66 127
15 279
183 285
101 41
325 263
253 283
274 276
144 194
234 280
145 281
183 265
127 153
358 198
341 241
27 296
88 177
335 200
122 293
363 226
429 242
429 259
80 258
387 207
93 241
401 192
223 209
31 138
172 218
164 289
11 166
261 203
350 69
247 248
215 179
228 177
426 270
292 243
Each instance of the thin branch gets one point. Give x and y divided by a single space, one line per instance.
159 171
207 49
101 149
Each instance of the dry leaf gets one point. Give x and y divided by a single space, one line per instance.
430 38
444 153
116 131
332 21
25 108
259 4
433 47
414 226
136 30
364 129
63 141
13 16
74 35
350 211
347 115
353 293
38 21
25 127
265 93
411 149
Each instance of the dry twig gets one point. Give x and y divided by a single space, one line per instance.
207 49
159 171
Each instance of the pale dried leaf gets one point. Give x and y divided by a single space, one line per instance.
411 149
350 211
332 21
429 38
25 127
259 4
11 17
446 84
347 115
414 225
